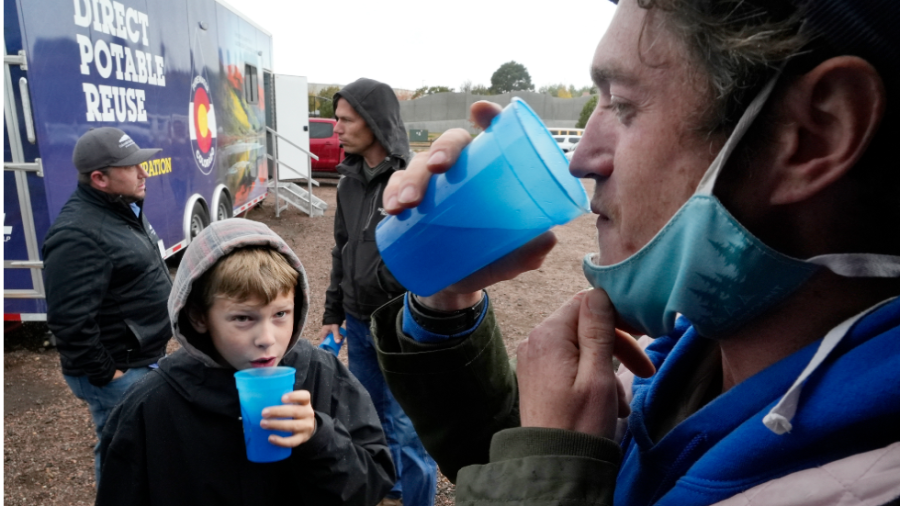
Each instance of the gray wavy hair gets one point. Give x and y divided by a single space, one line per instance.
740 44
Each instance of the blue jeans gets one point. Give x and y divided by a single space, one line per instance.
101 400
416 470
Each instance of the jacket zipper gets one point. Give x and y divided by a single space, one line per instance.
360 239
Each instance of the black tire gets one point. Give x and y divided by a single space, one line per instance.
199 220
224 210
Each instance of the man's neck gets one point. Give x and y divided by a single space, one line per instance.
820 305
375 154
114 197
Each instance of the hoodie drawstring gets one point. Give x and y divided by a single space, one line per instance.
779 418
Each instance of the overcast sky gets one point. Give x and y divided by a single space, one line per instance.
409 44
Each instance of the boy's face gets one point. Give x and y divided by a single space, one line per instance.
249 333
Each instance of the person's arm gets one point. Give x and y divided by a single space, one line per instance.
570 403
346 461
334 304
568 394
458 392
77 274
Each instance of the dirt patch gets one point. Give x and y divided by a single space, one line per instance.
48 433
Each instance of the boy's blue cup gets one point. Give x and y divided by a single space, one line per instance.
511 184
329 344
258 389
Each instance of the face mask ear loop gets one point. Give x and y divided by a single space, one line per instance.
779 418
712 173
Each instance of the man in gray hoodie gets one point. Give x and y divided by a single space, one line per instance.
375 140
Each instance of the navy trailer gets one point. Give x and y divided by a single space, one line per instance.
193 77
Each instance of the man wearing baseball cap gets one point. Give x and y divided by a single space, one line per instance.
744 161
107 284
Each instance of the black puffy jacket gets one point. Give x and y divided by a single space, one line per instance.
107 287
360 282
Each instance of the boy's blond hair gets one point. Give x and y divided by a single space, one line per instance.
245 273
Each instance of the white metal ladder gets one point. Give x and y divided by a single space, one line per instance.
291 193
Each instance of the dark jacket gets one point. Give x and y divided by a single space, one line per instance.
177 437
360 282
462 399
107 287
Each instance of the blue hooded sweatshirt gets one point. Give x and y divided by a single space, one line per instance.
849 405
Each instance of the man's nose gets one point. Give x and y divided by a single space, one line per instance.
142 173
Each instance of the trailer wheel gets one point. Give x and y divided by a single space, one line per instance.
224 209
199 219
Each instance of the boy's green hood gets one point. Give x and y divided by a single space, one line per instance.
213 243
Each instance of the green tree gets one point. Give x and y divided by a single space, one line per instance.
480 89
562 91
552 89
511 76
586 111
430 90
320 104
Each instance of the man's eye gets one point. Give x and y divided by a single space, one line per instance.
281 314
623 110
241 318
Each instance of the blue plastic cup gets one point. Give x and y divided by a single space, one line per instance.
258 389
511 184
329 344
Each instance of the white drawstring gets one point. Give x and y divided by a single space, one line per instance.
778 420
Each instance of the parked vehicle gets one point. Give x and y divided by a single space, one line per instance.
566 131
567 143
192 77
570 153
324 143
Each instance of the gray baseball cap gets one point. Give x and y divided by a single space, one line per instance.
108 147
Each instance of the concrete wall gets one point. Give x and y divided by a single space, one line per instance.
442 111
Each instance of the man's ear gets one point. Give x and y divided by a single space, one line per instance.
829 116
197 318
99 179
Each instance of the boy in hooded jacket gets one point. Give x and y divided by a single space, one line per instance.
240 300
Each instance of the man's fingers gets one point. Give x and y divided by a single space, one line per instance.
406 188
567 314
328 328
527 258
445 150
482 112
629 352
596 334
409 183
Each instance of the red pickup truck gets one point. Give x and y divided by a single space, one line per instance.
324 143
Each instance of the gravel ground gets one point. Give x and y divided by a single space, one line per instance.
48 434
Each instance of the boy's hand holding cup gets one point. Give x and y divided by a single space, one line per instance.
295 416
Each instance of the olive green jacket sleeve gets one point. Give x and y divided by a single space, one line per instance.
462 398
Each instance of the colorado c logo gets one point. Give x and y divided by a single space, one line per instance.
203 125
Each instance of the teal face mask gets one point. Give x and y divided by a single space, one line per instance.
710 268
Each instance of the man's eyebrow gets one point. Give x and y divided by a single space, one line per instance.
612 73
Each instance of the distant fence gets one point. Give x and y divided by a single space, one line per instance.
442 111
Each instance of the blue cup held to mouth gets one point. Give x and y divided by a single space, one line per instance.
511 184
258 389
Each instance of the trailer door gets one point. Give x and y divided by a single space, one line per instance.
292 120
21 257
